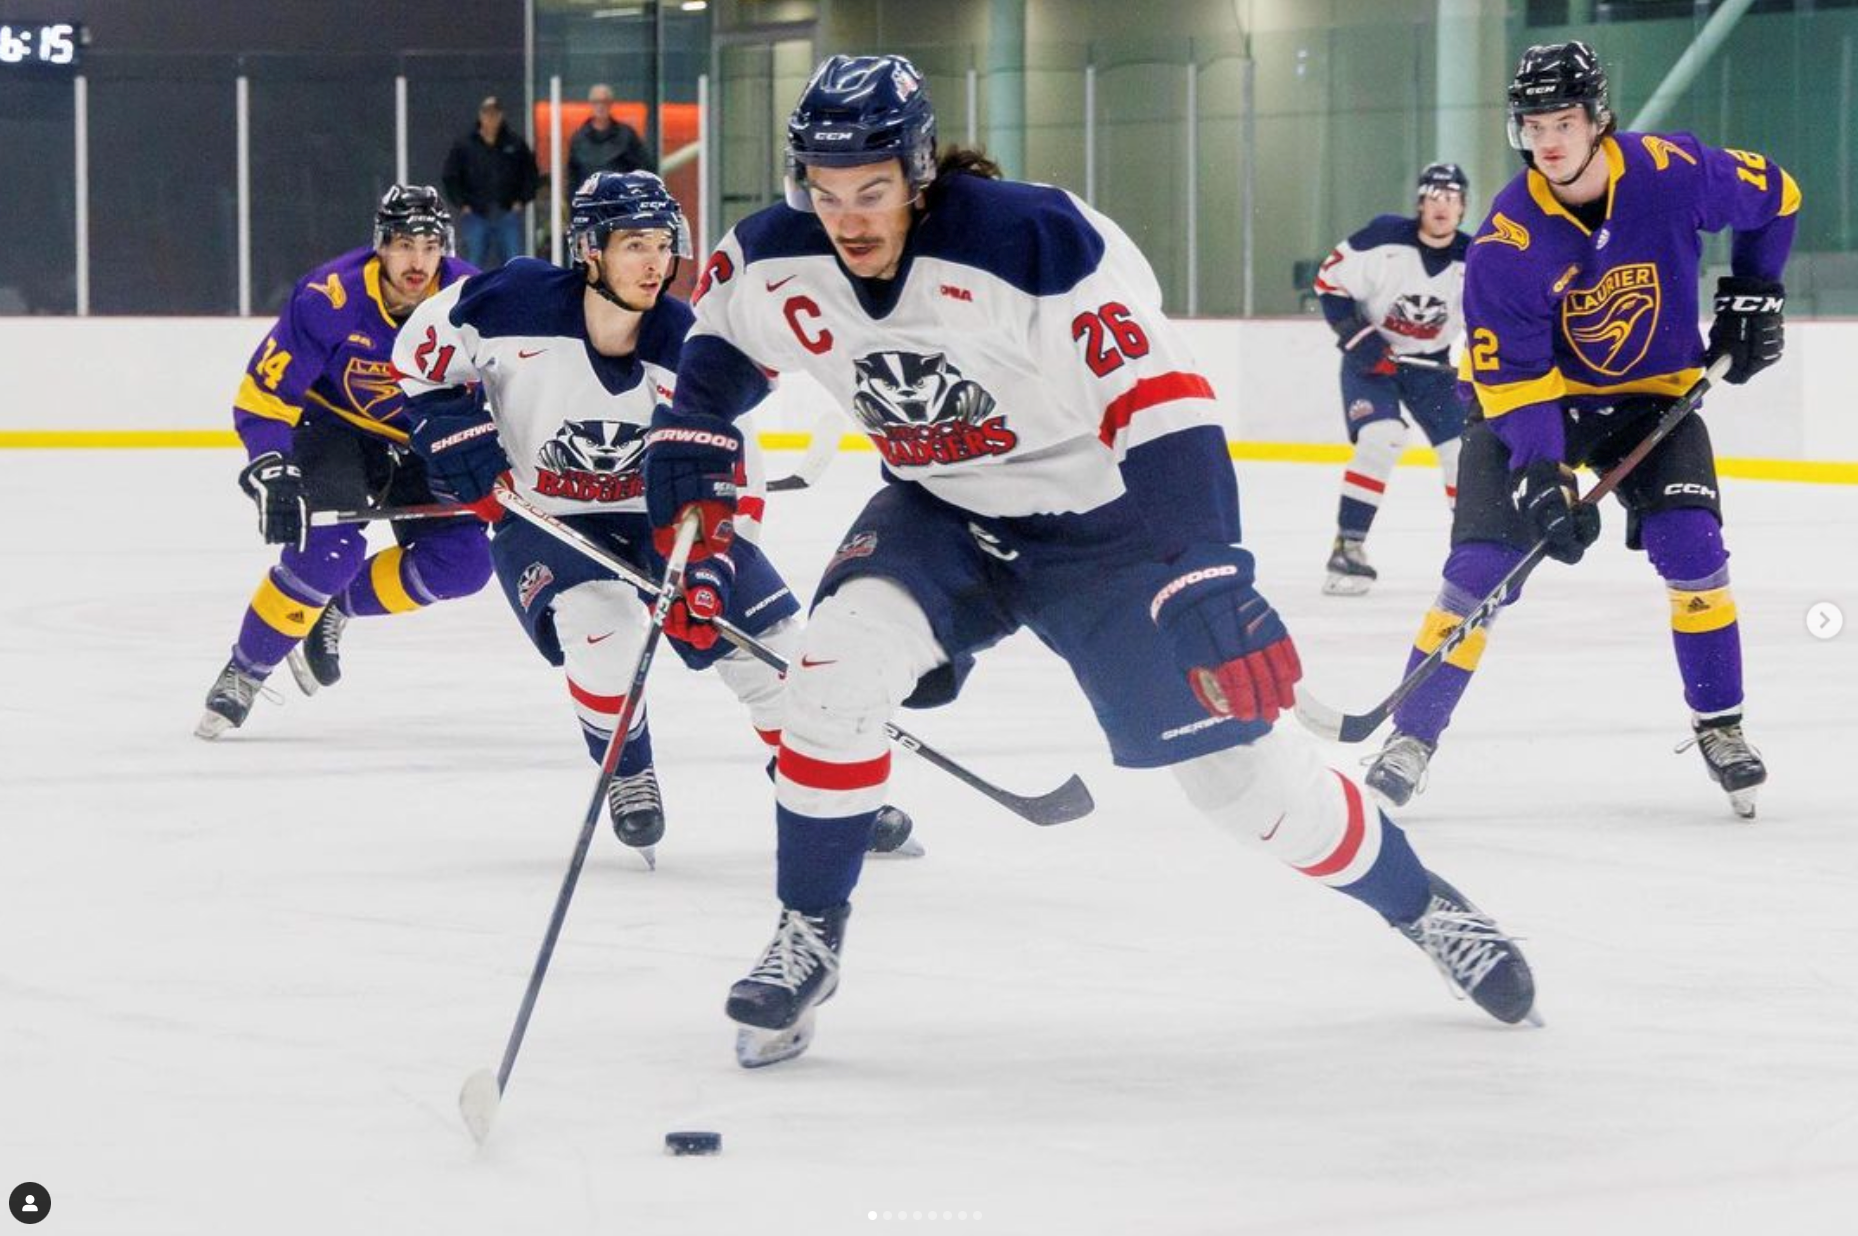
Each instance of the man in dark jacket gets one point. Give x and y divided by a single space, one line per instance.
603 144
490 175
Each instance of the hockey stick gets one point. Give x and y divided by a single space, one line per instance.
1338 726
1430 366
428 510
820 449
1069 801
483 1090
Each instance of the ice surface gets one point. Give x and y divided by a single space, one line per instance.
241 984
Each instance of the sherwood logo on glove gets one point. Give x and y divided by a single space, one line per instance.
1177 586
464 435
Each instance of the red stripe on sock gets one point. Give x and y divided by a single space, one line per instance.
599 703
1365 482
1352 835
814 774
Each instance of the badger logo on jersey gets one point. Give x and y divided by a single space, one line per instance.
1417 315
592 461
919 410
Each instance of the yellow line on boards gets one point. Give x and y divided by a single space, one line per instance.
1809 471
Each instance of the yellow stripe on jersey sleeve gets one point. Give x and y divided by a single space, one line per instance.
258 401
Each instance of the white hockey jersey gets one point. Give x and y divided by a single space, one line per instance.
1412 293
571 420
1017 355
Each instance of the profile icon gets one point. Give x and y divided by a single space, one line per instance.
29 1202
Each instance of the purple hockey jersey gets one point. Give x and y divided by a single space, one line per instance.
331 349
1556 312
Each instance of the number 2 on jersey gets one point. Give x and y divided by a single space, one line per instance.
1109 335
435 371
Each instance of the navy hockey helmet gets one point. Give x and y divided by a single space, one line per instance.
858 110
413 210
1553 76
1443 178
609 202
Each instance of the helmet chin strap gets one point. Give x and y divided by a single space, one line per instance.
598 284
1579 171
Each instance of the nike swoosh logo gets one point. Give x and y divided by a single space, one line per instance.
594 639
808 663
777 286
1273 832
521 355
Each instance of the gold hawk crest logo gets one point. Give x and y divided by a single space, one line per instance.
333 289
369 384
1610 324
1505 231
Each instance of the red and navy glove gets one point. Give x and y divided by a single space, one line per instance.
690 461
705 598
1231 644
1543 494
1364 349
455 436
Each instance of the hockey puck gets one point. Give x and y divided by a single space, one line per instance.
681 1144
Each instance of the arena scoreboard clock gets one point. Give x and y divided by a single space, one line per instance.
40 44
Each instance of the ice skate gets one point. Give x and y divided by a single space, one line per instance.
890 835
638 812
1733 763
1474 955
229 702
317 661
797 972
1399 771
1349 572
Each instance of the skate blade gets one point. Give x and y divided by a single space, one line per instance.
911 848
477 1103
1534 1017
1742 802
211 726
756 1048
300 670
1346 586
650 854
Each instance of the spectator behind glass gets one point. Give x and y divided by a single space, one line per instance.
603 144
490 175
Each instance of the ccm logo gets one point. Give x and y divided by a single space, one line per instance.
1688 487
1750 304
825 135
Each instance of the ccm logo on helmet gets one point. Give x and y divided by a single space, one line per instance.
829 135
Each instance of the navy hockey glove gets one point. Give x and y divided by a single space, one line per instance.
275 484
458 442
1363 348
690 461
1231 644
1543 494
706 598
1748 327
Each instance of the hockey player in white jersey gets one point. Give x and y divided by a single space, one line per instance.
551 375
1394 295
1053 461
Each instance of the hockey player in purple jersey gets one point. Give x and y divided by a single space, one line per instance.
321 417
1581 308
1393 293
1053 461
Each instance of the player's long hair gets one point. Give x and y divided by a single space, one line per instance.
966 161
